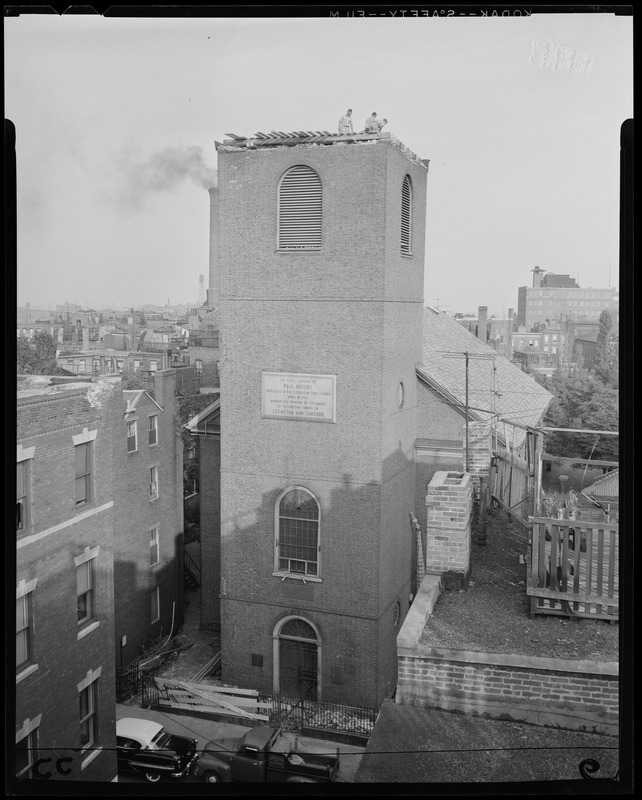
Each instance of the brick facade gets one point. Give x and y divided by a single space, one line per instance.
294 312
57 534
83 572
576 695
210 531
449 502
136 515
479 451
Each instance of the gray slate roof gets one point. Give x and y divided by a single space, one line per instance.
495 385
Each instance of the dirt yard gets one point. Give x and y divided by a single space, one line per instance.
493 615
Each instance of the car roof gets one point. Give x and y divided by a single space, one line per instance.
143 730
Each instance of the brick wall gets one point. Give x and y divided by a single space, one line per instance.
448 512
479 451
352 310
136 515
63 653
210 531
576 695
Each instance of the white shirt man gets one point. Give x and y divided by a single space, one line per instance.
345 123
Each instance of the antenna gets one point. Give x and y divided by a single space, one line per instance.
467 355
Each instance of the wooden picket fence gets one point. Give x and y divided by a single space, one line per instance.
573 568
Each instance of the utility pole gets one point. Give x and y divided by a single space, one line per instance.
467 356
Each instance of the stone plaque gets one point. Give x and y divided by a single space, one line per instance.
291 395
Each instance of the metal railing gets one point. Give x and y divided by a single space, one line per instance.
294 715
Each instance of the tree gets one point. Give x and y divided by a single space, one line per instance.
581 400
38 356
606 365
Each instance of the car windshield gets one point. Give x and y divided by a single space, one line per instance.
159 741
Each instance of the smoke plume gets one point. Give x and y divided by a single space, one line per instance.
162 171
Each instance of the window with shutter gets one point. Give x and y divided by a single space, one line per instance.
406 216
299 212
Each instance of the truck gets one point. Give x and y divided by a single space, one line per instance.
263 754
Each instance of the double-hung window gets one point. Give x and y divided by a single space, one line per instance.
297 542
88 700
153 483
85 579
132 436
24 632
155 604
299 209
82 454
26 752
22 496
154 556
153 429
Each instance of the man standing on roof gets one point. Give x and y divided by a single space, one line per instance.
345 123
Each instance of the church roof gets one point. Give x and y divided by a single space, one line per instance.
496 387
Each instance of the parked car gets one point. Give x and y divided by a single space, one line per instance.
262 755
144 746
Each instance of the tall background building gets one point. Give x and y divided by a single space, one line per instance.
554 298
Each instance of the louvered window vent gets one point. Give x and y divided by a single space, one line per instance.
300 205
406 216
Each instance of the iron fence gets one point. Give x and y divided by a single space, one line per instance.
128 681
294 715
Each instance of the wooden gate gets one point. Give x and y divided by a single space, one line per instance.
573 568
511 485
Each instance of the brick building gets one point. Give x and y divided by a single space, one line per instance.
321 293
148 515
65 661
205 427
553 298
98 560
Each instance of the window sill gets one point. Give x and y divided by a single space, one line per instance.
88 629
26 672
296 577
299 251
95 752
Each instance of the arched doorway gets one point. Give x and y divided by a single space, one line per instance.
297 645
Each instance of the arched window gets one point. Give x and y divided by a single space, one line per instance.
299 212
406 216
297 542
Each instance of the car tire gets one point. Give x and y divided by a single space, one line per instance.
211 777
153 777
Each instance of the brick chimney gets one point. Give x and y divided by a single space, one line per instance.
213 285
482 323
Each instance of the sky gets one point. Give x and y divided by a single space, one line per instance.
116 122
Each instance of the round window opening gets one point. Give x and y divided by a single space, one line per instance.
400 393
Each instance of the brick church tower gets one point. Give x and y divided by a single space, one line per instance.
321 257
